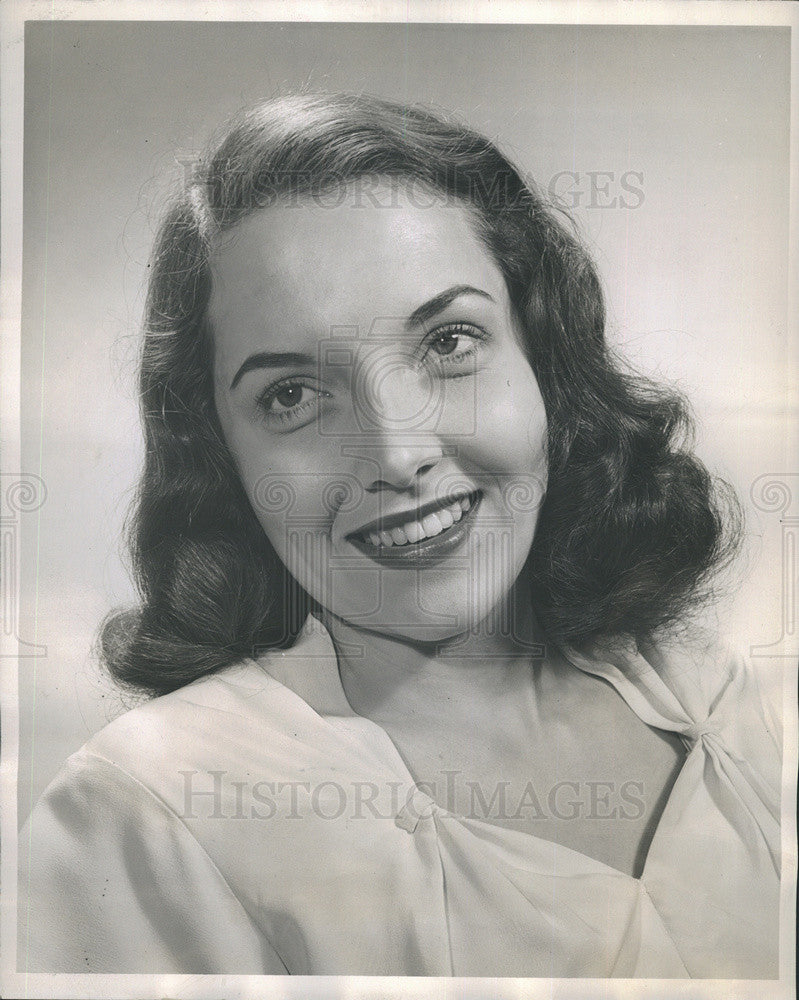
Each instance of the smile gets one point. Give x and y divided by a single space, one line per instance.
424 539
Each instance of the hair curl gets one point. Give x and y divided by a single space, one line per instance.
632 523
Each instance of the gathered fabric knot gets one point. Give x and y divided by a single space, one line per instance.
418 806
698 730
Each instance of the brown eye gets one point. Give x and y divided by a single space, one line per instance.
454 345
446 342
289 396
289 403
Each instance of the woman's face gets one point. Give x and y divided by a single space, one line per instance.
374 394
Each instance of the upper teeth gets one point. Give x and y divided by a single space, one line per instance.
429 526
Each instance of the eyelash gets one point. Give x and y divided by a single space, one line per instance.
474 333
289 416
269 395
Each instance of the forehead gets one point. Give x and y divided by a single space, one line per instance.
295 270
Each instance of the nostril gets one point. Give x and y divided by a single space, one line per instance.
380 485
398 466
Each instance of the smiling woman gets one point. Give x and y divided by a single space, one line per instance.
426 400
414 552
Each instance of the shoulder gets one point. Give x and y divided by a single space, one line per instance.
117 877
276 720
712 678
698 669
175 725
691 684
712 695
237 722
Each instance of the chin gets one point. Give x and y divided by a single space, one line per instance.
427 620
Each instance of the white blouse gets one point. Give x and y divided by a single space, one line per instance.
251 823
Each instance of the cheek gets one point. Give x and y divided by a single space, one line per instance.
283 493
512 424
513 449
296 524
290 507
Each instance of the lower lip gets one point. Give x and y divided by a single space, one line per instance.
418 555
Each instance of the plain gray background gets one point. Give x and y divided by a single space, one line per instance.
695 268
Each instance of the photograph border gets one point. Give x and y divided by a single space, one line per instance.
13 14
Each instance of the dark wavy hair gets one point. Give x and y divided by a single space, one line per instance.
632 523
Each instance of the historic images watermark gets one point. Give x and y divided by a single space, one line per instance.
569 189
488 556
776 494
592 189
359 368
20 495
365 363
216 794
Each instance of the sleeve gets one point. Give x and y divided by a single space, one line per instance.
111 881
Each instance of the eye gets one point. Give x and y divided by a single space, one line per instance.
455 343
290 401
446 342
289 396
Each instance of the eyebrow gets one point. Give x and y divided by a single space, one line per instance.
433 306
420 316
268 359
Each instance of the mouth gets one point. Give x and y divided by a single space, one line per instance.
434 532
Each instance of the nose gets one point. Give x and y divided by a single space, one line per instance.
398 420
399 465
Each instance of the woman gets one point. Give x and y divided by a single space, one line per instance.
414 556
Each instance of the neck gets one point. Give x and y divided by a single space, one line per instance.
393 677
